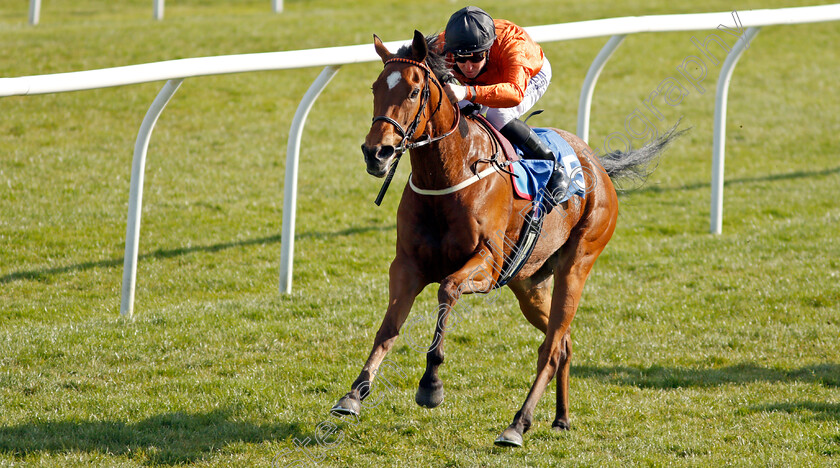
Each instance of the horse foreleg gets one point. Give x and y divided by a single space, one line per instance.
474 276
554 352
404 286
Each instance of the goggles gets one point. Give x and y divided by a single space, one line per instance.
474 58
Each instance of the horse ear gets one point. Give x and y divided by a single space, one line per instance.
381 50
419 46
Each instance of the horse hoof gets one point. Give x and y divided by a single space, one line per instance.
428 397
509 438
561 425
347 406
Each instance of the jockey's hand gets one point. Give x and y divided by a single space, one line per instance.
457 91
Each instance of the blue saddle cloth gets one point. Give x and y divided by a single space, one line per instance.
531 175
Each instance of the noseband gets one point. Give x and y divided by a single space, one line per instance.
409 132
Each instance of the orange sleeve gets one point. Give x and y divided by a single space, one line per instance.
514 59
508 92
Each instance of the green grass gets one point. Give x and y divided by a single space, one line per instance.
690 349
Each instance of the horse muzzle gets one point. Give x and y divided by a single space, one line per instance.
378 159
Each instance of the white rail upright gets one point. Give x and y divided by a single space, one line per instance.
287 238
588 88
719 137
157 8
34 11
277 6
334 57
135 195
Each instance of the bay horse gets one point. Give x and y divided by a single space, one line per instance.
447 238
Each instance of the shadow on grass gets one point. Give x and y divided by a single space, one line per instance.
808 409
674 377
744 180
166 439
45 273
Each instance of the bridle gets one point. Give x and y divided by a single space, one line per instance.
408 133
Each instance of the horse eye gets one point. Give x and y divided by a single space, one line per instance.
414 93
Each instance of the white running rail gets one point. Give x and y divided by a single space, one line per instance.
332 58
157 9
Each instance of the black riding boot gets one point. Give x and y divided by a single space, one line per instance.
522 135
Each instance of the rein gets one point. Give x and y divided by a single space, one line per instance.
406 134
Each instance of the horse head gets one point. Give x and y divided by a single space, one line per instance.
400 98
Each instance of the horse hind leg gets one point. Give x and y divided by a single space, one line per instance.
561 418
534 296
551 355
554 353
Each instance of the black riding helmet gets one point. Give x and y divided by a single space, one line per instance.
468 31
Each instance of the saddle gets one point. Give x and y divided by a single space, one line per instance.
507 148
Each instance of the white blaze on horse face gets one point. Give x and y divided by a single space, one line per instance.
393 79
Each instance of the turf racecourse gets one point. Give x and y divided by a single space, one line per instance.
690 349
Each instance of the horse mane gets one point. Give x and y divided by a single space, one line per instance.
436 61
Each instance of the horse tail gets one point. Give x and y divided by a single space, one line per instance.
637 164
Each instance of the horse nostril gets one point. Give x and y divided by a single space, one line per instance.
369 151
386 151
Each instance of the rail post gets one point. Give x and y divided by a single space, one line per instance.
135 195
287 238
588 88
34 11
719 138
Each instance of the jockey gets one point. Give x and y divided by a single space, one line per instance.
504 71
